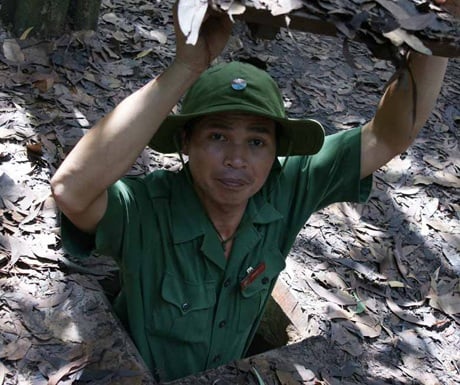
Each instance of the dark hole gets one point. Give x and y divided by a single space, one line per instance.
272 332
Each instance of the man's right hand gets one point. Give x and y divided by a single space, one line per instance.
214 34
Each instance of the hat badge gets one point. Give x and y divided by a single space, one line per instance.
239 84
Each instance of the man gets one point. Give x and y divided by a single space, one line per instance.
200 250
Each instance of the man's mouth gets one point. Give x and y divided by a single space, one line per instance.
233 183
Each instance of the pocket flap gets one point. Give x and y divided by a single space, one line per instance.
188 296
273 266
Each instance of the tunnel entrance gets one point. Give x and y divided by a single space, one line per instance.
283 322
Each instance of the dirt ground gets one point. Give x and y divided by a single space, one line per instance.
378 283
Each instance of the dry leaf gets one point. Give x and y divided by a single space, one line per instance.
337 296
9 189
236 8
111 18
408 190
431 206
53 300
410 342
331 279
15 350
398 36
345 339
454 259
361 268
156 35
448 303
285 378
159 36
367 326
43 82
144 53
285 6
120 36
435 162
443 226
25 34
396 284
19 247
190 15
3 372
406 316
67 370
422 377
441 178
398 256
12 51
304 373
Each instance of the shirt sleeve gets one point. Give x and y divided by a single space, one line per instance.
108 239
310 183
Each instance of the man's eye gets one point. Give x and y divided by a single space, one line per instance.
256 142
216 136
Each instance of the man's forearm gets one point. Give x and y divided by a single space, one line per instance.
113 144
394 121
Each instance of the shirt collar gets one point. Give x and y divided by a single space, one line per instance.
189 219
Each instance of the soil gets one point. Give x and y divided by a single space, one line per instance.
378 283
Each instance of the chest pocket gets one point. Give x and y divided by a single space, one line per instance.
254 296
185 312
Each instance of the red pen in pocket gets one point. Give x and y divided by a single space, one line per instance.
253 273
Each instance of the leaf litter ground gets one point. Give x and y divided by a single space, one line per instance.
378 283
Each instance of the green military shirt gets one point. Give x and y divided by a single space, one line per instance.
185 305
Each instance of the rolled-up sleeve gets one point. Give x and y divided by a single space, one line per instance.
109 235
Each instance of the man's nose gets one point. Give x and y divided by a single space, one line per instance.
235 155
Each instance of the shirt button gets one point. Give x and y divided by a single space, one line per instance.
185 306
265 280
227 283
222 324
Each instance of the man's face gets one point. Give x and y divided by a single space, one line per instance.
230 157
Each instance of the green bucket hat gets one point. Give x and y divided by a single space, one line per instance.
240 87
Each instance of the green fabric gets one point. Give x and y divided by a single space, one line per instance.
181 300
240 87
